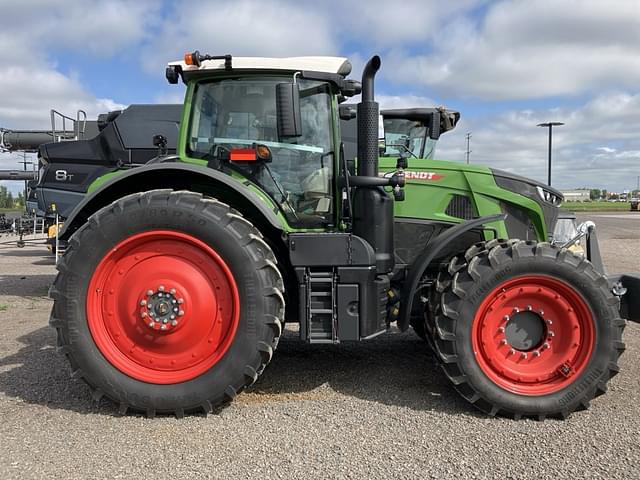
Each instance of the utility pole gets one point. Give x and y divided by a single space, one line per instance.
550 125
26 186
468 137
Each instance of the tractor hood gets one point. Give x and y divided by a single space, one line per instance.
547 197
514 183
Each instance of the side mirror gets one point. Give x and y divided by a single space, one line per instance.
442 121
288 110
434 128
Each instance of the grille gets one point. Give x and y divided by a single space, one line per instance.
460 207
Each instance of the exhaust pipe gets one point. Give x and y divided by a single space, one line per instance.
368 112
372 207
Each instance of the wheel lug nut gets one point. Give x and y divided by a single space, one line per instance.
506 318
163 327
551 334
511 351
174 323
143 303
172 317
151 324
529 308
523 355
536 353
545 345
516 310
503 341
143 314
180 300
172 291
501 329
181 313
149 293
159 295
165 321
549 322
161 288
541 312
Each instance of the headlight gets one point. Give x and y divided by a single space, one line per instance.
549 196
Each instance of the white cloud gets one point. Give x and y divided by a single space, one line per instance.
607 149
381 23
31 83
98 27
511 141
532 50
242 27
27 95
404 101
302 27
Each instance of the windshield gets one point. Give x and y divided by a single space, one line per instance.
400 133
239 112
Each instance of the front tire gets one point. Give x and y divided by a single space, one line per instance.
527 329
168 302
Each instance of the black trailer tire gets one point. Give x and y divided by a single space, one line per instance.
474 289
252 308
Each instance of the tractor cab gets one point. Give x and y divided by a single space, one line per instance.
271 121
414 131
409 132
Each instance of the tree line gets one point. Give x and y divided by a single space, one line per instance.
7 200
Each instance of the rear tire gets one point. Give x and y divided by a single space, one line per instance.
189 346
526 329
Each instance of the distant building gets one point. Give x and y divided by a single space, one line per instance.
576 195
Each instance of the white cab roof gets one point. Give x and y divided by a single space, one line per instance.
338 65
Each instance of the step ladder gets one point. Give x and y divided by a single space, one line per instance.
321 307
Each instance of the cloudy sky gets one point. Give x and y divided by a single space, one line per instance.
505 65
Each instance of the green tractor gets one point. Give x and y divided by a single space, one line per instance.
178 276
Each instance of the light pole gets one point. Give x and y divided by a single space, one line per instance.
550 125
468 152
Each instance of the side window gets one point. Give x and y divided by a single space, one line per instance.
204 121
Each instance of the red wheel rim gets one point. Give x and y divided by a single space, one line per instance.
162 307
567 336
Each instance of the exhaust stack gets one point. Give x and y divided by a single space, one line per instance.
372 207
368 112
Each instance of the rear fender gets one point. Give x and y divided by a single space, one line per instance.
176 176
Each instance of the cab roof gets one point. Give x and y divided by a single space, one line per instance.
332 65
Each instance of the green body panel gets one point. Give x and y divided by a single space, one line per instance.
430 185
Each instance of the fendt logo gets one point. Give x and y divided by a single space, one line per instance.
410 175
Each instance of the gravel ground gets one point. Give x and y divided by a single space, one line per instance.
377 409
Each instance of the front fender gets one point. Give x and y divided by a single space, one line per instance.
177 176
422 261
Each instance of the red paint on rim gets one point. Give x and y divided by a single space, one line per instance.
200 277
567 345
